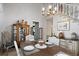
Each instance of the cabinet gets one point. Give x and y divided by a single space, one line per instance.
63 43
70 45
15 30
20 30
41 33
36 30
75 47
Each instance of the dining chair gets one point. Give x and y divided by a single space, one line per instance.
6 41
53 40
30 37
17 49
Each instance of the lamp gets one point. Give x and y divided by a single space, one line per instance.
49 11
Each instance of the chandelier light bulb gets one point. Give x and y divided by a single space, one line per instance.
48 13
55 8
53 12
50 6
43 9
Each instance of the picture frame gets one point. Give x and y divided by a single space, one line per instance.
63 26
71 11
65 9
76 12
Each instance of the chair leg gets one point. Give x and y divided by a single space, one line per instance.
7 51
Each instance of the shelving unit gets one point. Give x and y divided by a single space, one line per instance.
70 45
20 30
36 31
41 33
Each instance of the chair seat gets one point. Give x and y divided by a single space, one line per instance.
9 45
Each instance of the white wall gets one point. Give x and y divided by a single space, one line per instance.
49 24
1 19
74 26
28 12
11 12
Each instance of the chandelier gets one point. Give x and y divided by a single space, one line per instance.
49 11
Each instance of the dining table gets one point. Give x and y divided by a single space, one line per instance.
50 50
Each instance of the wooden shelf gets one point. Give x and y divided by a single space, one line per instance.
17 28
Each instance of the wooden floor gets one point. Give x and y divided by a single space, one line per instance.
11 52
44 52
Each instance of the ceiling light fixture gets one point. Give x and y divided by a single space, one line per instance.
49 11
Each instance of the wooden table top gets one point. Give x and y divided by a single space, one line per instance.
50 51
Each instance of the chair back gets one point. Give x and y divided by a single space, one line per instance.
53 40
17 49
30 37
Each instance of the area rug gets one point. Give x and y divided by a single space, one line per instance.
61 54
